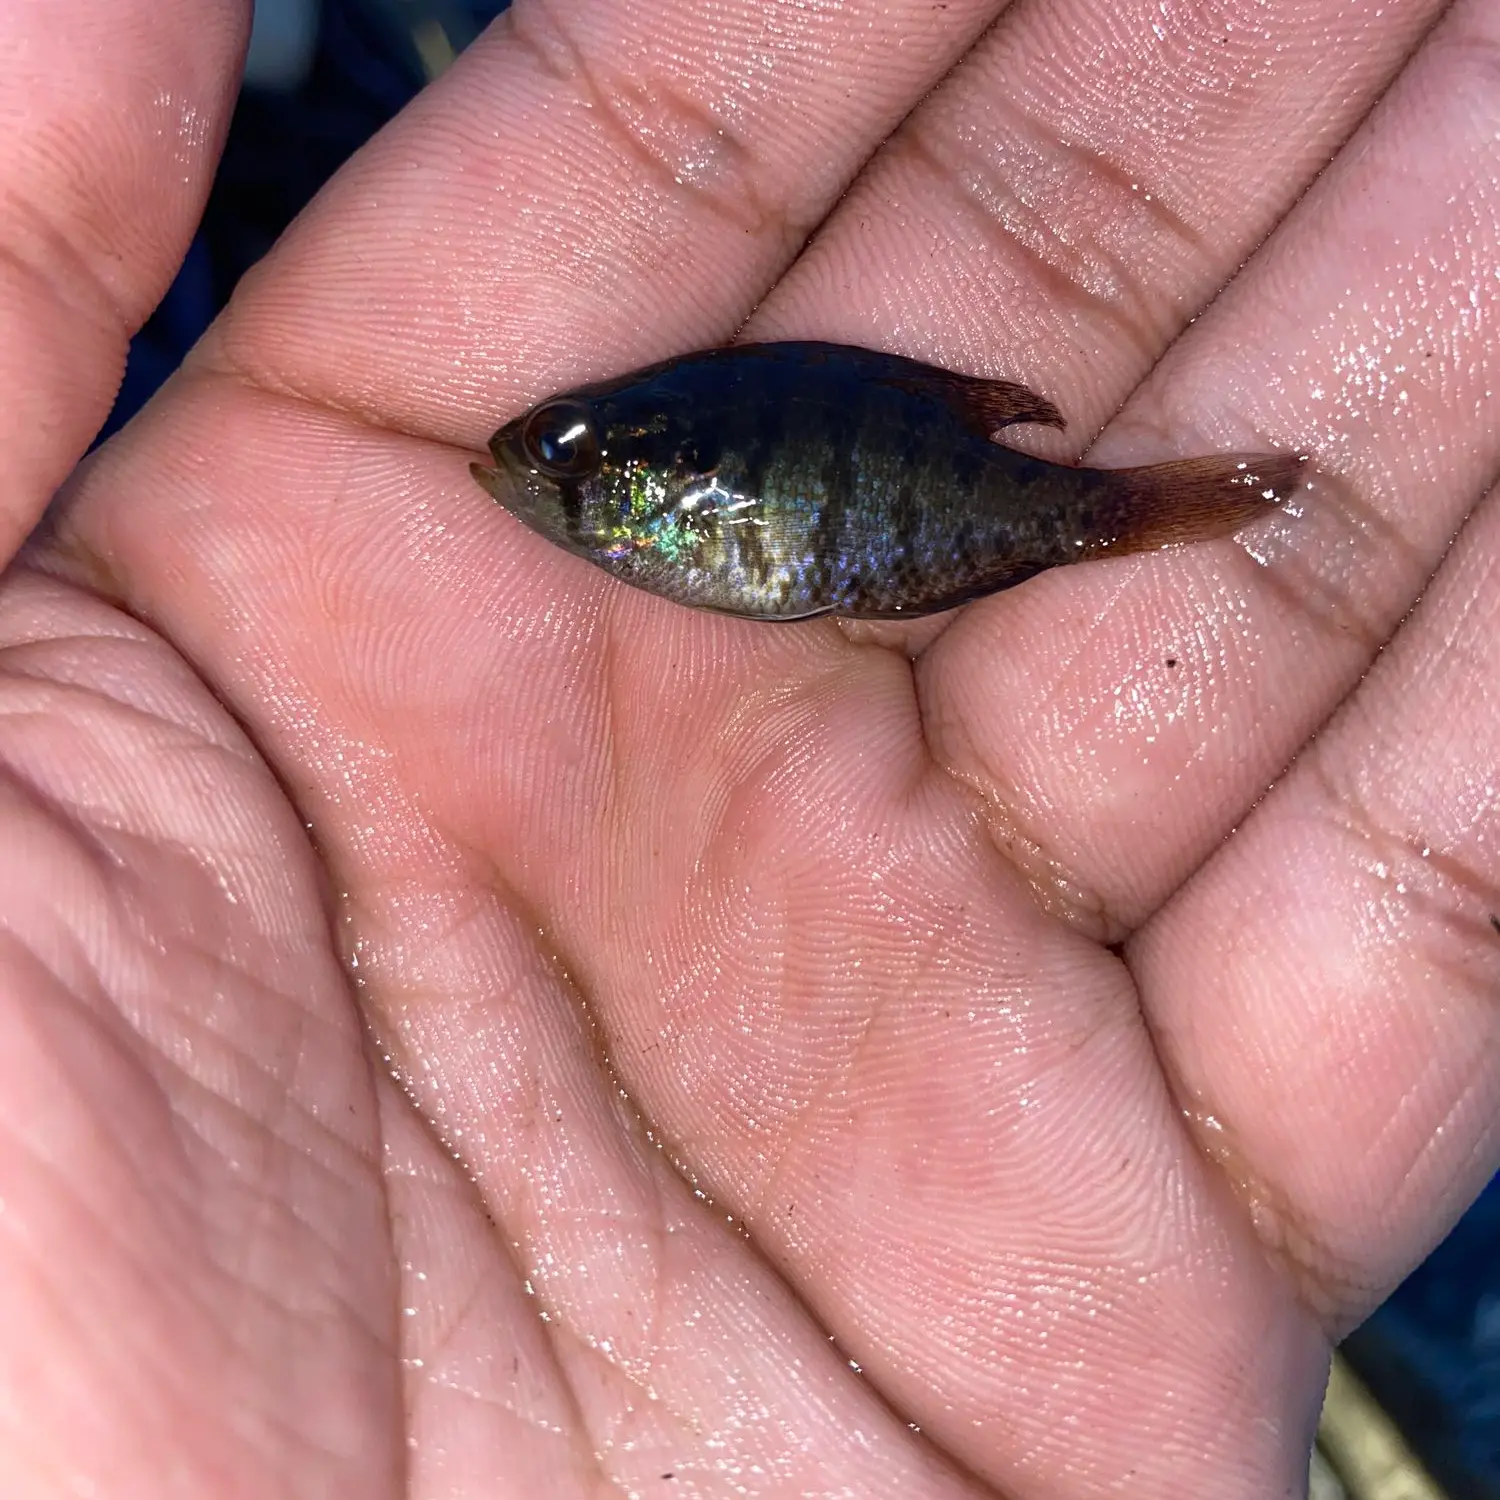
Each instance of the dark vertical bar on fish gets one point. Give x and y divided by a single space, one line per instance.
779 481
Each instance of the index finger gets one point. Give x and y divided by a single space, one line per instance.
593 185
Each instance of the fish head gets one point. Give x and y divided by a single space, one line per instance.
611 477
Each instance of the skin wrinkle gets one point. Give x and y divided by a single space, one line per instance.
1395 850
151 1056
260 1293
104 1227
15 948
927 761
60 554
657 1220
1057 282
1376 644
293 1107
146 1055
1364 519
1057 890
507 1408
1129 188
31 660
1077 272
507 1244
1334 149
1326 1281
614 1435
191 1139
215 359
80 401
43 254
673 1152
1302 589
559 967
90 824
771 1267
104 1233
559 1329
1322 1280
734 194
1350 1318
556 1329
604 1056
83 836
1054 888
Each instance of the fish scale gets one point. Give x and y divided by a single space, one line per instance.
779 481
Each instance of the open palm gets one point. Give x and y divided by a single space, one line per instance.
470 1029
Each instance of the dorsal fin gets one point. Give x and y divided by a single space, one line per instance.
985 405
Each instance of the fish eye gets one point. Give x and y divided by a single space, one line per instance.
561 439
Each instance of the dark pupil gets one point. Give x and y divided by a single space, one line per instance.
562 441
558 445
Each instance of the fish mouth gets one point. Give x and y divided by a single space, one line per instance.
506 481
489 481
517 489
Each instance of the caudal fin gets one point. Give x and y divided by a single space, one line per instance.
1188 500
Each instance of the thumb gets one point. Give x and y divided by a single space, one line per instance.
114 114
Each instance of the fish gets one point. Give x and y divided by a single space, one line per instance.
782 481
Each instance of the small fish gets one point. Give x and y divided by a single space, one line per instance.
780 481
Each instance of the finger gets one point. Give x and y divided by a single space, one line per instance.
592 186
1086 181
1178 686
1324 992
115 113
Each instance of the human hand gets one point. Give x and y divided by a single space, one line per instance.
746 987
